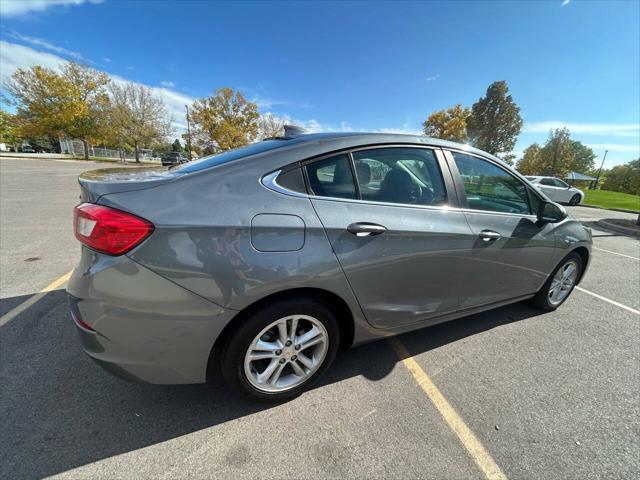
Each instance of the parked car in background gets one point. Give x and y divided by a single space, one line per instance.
27 149
557 190
263 261
173 158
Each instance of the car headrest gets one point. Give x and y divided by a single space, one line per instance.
363 171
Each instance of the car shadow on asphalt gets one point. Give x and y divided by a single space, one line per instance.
60 411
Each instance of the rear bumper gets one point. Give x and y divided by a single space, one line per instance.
140 326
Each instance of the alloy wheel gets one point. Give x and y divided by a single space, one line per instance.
562 283
286 353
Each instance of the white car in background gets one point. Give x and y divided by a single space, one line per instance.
557 190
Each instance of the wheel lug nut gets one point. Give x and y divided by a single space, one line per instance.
297 347
288 344
282 360
293 358
278 352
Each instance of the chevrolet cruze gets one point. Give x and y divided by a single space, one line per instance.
264 261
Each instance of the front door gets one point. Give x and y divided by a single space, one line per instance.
402 250
512 254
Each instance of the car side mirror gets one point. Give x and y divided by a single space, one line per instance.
550 212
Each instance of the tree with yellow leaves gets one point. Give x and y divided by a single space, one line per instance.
449 124
70 103
223 121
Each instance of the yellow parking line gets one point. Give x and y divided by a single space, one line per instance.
11 314
482 458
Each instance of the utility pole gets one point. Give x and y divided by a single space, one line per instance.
600 170
188 134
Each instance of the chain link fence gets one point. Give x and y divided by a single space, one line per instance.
75 147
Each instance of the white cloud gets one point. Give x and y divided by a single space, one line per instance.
13 8
612 129
39 42
167 84
107 59
565 3
14 56
615 147
432 78
268 103
405 129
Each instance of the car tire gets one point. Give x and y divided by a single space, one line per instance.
292 376
575 200
558 279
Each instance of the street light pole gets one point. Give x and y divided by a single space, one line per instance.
188 134
600 170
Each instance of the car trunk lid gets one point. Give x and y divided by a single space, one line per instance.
96 183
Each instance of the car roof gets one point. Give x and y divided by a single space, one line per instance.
366 138
308 145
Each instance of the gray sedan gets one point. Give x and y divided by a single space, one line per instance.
262 262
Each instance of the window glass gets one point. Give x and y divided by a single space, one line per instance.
549 182
400 175
332 177
489 187
229 156
292 180
560 183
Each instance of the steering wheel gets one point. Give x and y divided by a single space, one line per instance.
415 193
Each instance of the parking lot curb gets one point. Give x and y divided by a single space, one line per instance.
635 212
619 229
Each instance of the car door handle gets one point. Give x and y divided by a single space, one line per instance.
489 235
364 229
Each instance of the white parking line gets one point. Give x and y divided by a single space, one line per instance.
612 302
615 253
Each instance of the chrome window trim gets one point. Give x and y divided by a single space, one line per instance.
444 208
269 181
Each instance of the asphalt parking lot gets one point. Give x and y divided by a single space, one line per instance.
553 395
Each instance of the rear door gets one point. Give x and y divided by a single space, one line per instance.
553 189
512 254
387 214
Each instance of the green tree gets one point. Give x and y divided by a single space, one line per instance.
583 158
531 161
71 103
137 116
559 156
624 178
449 124
10 131
223 121
495 123
176 146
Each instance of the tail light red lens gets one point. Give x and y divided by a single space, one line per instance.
108 230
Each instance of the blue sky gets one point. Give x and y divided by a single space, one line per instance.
356 65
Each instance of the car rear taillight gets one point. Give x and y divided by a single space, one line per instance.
108 230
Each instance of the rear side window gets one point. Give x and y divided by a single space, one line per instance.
229 156
292 180
489 187
332 177
399 175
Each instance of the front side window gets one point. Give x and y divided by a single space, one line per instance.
489 187
332 177
399 175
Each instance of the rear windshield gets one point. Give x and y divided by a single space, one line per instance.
225 157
